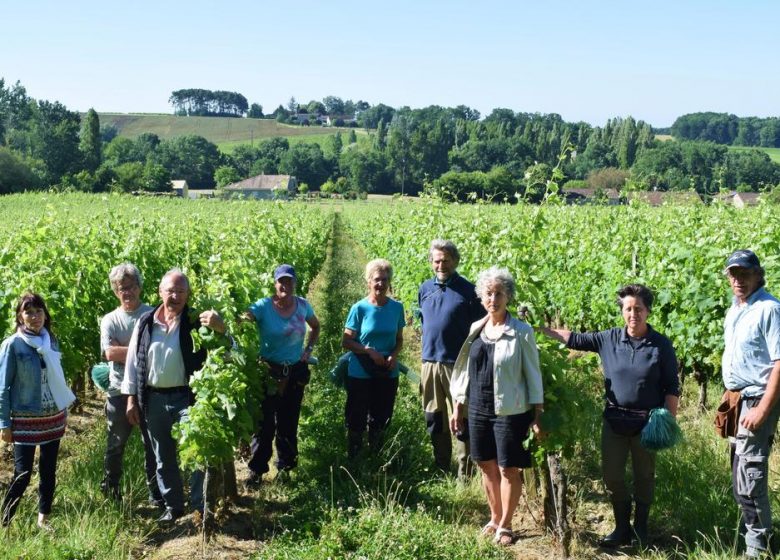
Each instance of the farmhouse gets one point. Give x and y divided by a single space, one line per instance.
263 187
659 198
591 196
180 188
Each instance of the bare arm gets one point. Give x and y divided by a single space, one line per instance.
116 354
758 414
561 335
314 335
671 402
349 342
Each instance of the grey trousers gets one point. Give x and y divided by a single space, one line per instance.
614 456
119 430
749 474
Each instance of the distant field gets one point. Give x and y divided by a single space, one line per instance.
774 153
664 137
226 132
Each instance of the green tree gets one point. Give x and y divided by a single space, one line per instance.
307 163
364 170
91 141
155 178
55 139
129 177
192 158
16 175
334 106
255 111
226 175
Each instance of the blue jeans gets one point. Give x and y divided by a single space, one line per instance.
749 474
24 455
163 410
119 430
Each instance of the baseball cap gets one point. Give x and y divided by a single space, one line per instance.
743 258
284 270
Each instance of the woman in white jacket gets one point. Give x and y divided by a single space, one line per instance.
497 379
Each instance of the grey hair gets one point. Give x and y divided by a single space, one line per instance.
495 275
378 264
122 271
446 246
173 272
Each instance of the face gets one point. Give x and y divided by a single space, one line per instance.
495 298
129 293
379 283
33 318
635 313
285 287
174 293
443 264
743 281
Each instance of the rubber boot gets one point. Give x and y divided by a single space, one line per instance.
354 443
622 533
442 450
641 514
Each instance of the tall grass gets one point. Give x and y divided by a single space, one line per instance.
85 524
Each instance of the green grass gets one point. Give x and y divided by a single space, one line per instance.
226 132
774 153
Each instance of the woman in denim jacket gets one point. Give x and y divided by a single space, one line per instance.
33 403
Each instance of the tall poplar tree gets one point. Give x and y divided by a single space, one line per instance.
90 143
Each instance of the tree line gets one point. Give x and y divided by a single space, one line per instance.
449 151
723 128
207 103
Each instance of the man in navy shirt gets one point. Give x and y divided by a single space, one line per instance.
448 306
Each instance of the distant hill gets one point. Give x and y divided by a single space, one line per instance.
226 132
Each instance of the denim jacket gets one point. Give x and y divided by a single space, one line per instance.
20 378
517 378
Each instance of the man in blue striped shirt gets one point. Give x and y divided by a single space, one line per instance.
751 365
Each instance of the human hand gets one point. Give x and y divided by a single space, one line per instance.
390 362
132 413
7 435
457 423
754 417
376 357
212 320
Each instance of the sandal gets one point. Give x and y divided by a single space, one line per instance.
489 529
501 537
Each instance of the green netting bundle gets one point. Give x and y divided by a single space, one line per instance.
661 431
100 375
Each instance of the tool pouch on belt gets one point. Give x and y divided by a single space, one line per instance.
297 373
626 421
727 415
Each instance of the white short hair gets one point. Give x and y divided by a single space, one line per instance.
495 275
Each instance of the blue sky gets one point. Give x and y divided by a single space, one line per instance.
585 60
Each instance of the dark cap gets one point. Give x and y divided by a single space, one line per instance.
284 270
743 258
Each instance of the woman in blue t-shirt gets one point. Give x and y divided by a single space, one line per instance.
281 320
374 335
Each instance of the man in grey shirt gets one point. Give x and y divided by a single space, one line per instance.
116 328
751 365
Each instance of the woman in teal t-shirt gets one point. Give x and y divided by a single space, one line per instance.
374 335
281 320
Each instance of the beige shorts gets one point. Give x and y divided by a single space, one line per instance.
435 387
